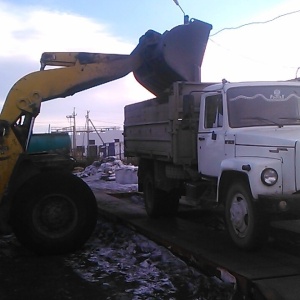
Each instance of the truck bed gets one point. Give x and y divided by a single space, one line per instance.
165 128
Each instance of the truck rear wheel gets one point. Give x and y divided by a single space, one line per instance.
54 213
246 225
171 203
152 197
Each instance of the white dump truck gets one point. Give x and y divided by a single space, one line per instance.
235 144
229 144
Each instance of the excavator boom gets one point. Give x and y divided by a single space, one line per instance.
73 72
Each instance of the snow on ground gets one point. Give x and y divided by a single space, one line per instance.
130 266
95 183
111 174
108 167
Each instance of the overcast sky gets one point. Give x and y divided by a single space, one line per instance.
269 51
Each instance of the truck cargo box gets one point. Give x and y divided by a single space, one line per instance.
165 128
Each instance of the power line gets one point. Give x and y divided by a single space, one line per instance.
259 61
101 121
257 23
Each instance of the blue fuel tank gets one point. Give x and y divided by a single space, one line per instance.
59 142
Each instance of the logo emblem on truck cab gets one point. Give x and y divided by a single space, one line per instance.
277 95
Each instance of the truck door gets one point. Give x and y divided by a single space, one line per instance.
211 134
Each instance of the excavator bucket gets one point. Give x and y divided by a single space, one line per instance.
175 55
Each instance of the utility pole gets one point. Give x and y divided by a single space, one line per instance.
88 121
87 134
73 116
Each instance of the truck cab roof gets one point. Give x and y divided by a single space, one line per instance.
225 85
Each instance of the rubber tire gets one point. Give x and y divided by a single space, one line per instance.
171 203
248 232
152 197
54 213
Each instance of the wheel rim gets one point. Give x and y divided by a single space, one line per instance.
239 215
55 216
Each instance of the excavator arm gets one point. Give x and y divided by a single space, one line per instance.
79 71
70 73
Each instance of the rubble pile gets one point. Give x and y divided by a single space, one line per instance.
111 169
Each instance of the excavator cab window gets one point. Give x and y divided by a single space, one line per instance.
4 128
22 128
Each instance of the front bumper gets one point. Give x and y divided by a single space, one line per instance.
280 203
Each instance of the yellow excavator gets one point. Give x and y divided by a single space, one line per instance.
50 210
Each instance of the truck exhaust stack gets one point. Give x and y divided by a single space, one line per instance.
175 55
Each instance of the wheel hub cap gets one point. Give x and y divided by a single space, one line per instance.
55 216
239 215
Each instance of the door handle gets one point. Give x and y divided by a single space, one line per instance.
201 138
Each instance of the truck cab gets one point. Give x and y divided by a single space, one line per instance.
252 128
249 139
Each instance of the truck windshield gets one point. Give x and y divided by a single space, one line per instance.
263 106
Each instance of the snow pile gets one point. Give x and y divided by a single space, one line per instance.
127 175
111 169
98 184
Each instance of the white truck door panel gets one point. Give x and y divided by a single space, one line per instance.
211 134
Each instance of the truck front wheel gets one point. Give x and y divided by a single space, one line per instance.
246 225
54 213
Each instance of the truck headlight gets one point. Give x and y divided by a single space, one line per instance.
269 176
